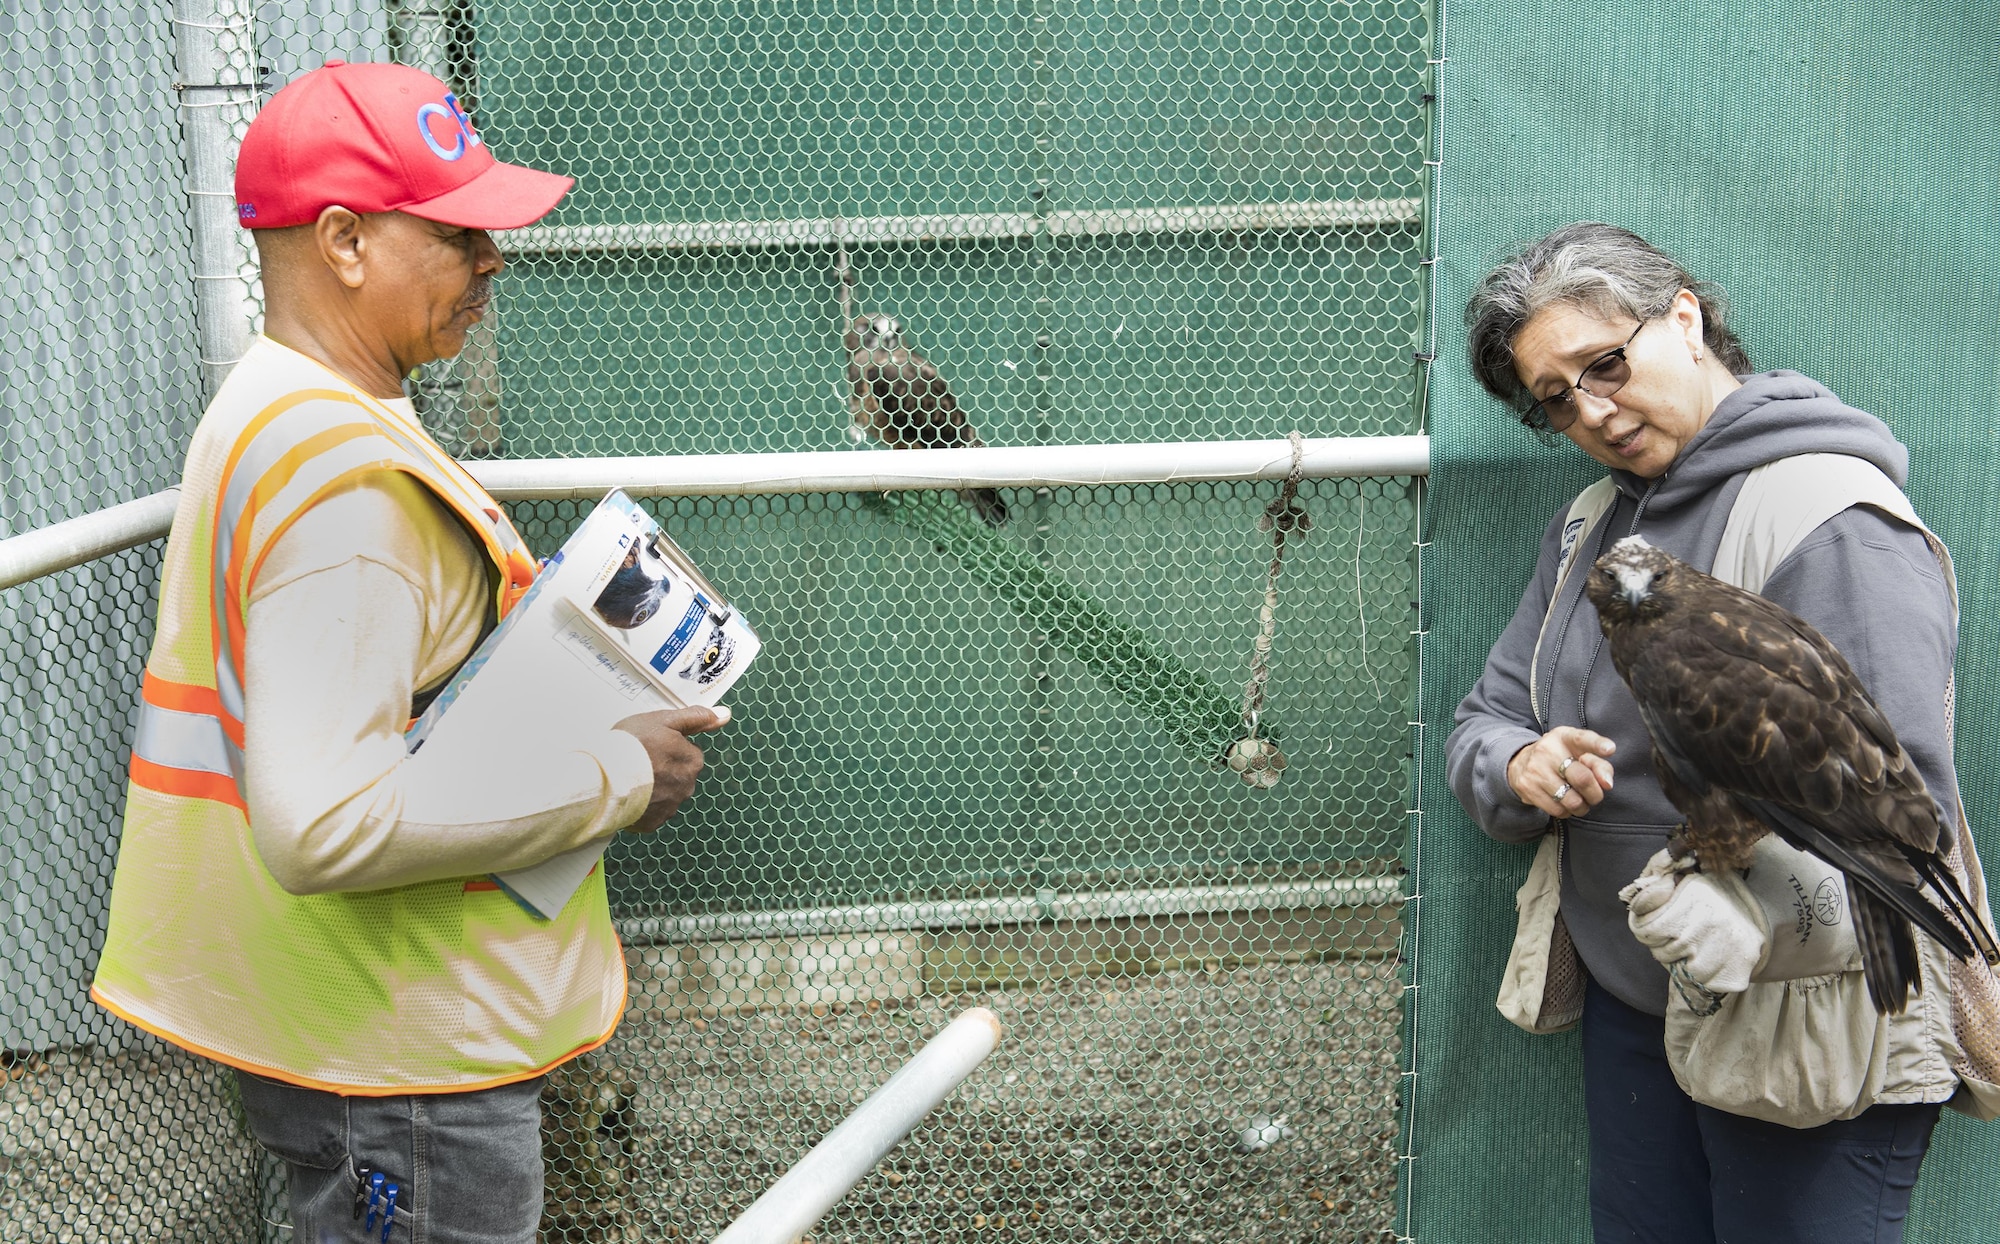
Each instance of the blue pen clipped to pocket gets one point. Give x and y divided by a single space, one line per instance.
375 1195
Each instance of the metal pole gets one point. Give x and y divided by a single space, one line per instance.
850 1151
214 56
424 39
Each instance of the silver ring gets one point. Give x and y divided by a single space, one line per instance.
1562 792
1562 770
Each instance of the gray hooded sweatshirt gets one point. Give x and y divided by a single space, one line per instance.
1867 581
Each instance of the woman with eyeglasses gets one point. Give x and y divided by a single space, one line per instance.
1814 1127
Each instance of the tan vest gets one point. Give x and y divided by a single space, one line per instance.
438 986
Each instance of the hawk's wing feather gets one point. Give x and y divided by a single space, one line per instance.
1944 883
1888 952
1863 868
1741 696
1790 648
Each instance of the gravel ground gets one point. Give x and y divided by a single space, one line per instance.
1112 1111
138 1146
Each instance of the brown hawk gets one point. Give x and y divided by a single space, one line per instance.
1759 725
902 401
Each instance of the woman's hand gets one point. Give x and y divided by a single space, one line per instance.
1564 773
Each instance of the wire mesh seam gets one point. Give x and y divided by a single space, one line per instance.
959 227
1426 366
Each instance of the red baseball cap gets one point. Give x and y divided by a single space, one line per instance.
380 138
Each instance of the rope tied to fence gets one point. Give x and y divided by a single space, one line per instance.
1255 758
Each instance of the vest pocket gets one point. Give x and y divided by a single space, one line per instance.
1810 1051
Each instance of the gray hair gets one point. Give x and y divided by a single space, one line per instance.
1608 271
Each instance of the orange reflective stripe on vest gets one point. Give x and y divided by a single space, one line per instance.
183 746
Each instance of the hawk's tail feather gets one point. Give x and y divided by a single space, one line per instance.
1944 883
1888 953
1865 874
987 504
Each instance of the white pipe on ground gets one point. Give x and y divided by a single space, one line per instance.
833 1166
36 553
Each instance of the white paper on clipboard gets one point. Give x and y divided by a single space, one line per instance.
619 622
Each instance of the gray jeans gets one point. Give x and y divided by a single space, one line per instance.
469 1165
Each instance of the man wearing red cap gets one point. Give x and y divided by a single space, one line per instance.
297 894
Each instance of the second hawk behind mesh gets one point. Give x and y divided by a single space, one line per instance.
900 399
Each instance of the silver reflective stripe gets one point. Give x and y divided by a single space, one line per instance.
280 437
271 443
227 688
177 740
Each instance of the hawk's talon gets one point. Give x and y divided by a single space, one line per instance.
1681 850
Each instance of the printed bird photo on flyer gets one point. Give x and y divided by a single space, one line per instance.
657 610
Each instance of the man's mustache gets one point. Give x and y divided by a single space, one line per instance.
480 293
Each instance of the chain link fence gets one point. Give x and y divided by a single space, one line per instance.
975 762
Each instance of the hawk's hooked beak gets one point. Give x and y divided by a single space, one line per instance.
1634 584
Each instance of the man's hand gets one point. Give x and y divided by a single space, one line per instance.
676 761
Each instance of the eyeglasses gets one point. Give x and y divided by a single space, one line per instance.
1552 416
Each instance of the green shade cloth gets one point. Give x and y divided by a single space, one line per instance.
1833 168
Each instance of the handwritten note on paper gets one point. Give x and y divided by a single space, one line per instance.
583 642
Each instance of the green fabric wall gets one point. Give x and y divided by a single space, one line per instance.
1834 168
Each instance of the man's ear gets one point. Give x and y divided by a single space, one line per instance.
341 237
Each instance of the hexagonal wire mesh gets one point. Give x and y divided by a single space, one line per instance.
1101 221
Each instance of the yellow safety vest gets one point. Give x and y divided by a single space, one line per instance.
435 987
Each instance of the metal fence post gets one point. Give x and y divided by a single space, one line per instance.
214 42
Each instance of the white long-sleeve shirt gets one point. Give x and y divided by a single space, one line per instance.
373 594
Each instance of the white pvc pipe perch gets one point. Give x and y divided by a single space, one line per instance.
1368 890
833 1166
1029 466
62 545
692 235
66 544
